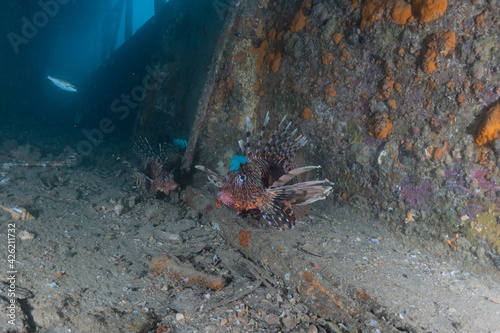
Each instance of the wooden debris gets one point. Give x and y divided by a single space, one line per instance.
409 217
245 236
452 243
19 213
173 268
362 295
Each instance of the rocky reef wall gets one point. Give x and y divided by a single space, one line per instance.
399 101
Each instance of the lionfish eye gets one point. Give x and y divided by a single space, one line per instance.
243 177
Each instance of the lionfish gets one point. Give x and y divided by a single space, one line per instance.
266 184
153 175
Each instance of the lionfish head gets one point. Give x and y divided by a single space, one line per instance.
238 191
167 184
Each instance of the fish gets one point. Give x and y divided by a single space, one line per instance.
63 84
153 176
266 185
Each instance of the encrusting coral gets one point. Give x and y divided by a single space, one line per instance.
489 129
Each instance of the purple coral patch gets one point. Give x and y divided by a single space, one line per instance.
455 179
484 180
416 196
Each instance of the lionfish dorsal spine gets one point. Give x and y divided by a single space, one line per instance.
270 145
280 139
298 142
143 149
247 149
258 153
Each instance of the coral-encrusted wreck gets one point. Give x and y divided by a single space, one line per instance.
397 99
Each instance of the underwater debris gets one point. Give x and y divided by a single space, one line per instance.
180 143
24 153
25 235
244 236
185 273
153 177
266 184
452 242
70 161
19 213
307 113
3 178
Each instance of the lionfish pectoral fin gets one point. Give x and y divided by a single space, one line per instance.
303 193
277 213
279 216
212 176
292 174
278 210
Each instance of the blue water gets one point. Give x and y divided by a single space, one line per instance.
124 88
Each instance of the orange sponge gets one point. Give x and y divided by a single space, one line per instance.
381 125
401 12
489 129
429 10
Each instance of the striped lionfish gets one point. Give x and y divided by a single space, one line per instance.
266 185
152 177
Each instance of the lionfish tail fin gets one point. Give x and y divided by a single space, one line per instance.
212 176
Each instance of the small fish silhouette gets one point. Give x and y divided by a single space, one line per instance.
153 175
63 84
